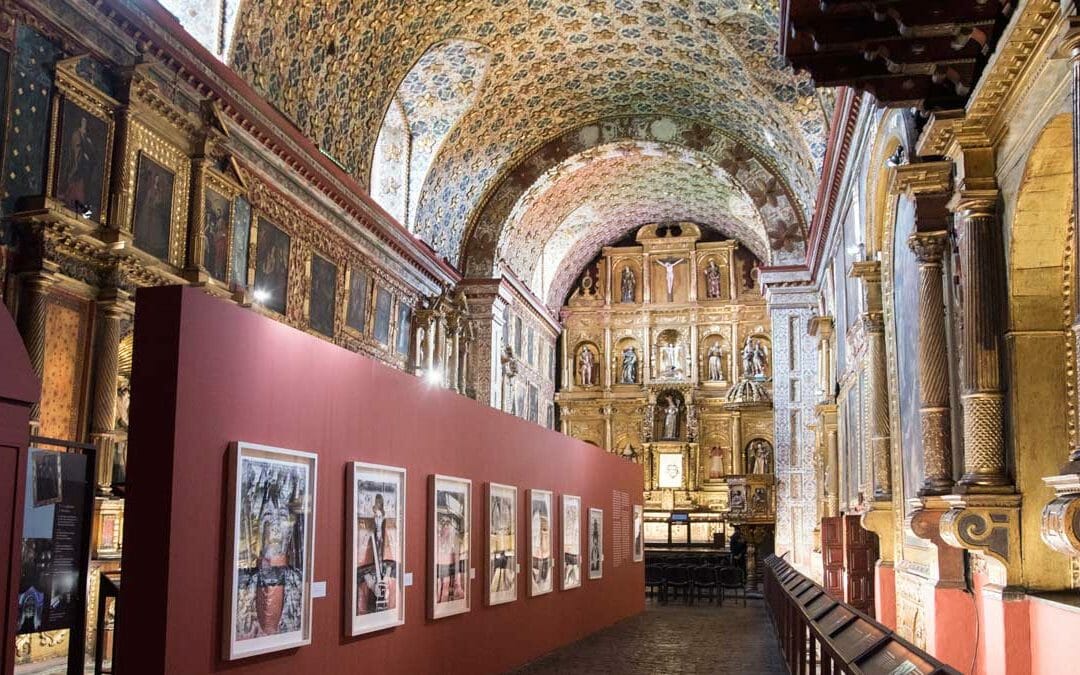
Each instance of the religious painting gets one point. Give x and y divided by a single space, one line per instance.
323 302
639 533
542 559
450 518
356 315
241 237
271 540
272 266
382 316
47 483
596 543
377 545
571 542
404 323
80 171
152 224
217 213
503 562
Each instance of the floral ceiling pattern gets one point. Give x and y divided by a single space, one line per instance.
555 66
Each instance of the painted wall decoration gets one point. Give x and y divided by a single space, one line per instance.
271 541
217 213
596 543
356 315
272 265
450 558
571 542
323 295
382 315
241 239
541 553
377 546
152 223
80 172
502 563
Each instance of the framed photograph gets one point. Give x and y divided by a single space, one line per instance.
48 481
450 528
152 224
596 543
377 546
541 557
639 533
271 542
571 542
502 564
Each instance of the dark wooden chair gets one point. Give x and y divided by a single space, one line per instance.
732 579
705 583
678 582
655 582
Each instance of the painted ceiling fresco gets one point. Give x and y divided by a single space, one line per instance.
554 66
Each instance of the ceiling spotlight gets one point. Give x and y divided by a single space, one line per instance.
261 295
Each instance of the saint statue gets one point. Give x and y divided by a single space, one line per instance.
669 357
712 280
671 419
586 366
716 462
760 452
629 366
761 358
629 283
755 358
716 362
669 270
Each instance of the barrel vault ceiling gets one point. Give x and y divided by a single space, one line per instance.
531 91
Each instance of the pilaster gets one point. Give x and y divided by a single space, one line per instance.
33 311
113 306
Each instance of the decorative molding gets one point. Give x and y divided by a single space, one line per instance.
988 524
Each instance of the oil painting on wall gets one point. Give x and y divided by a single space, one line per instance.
502 544
153 207
382 316
80 173
241 238
323 295
271 539
272 266
541 579
596 543
571 542
450 517
377 543
216 216
356 315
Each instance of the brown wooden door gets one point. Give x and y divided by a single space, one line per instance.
832 555
860 556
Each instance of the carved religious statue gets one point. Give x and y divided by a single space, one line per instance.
712 280
509 370
629 366
669 358
760 452
716 362
671 419
629 285
586 367
669 274
755 358
716 462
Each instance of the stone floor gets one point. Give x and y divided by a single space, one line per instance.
674 638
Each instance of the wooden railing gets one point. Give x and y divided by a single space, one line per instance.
819 634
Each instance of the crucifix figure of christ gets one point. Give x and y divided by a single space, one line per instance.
669 269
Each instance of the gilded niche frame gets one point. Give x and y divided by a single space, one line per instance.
142 141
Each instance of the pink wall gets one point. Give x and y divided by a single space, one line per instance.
208 372
1057 628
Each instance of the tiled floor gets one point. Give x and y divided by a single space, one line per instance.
675 639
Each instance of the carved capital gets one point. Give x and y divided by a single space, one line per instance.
928 247
987 524
918 178
1060 526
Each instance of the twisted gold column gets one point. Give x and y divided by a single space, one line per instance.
33 311
112 308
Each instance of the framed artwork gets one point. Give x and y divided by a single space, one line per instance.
81 165
377 545
323 300
241 239
217 216
639 533
542 559
48 483
382 316
450 527
271 542
596 543
571 542
502 567
404 323
272 265
152 224
356 315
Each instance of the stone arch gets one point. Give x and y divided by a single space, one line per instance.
896 130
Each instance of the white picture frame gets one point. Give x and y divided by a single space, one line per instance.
571 542
375 570
638 543
270 553
503 559
541 519
595 537
450 538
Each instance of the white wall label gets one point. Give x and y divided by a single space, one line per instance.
318 589
408 579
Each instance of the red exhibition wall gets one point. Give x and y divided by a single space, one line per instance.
208 372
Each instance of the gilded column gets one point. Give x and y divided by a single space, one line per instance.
929 247
869 272
113 306
738 462
33 312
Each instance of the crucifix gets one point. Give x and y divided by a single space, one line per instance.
669 268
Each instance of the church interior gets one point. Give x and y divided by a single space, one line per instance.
465 336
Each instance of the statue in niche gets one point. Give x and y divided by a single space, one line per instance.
586 367
716 362
755 357
671 419
669 358
629 284
669 271
716 462
123 402
509 370
760 453
712 280
629 366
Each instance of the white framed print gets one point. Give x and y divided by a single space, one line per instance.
271 549
639 533
502 557
571 542
596 543
376 545
450 559
541 556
